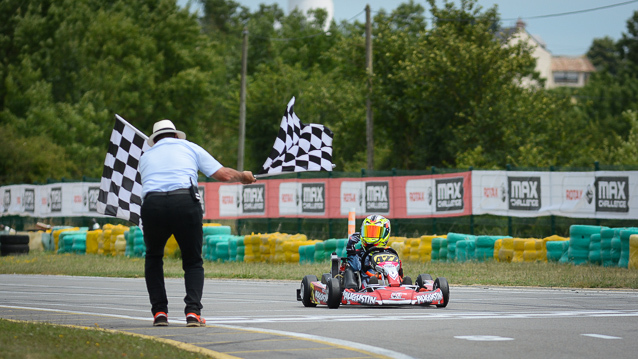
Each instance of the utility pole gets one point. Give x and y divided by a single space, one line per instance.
242 102
369 120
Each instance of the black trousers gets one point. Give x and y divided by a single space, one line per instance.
179 215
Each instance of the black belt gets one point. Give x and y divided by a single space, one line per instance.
169 193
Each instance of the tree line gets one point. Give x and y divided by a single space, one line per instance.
445 90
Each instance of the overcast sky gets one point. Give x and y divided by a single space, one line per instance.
569 34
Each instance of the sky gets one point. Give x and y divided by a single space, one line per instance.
567 35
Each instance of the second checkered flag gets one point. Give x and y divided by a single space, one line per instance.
299 147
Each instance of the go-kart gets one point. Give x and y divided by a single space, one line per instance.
387 287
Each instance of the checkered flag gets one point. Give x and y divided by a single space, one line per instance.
121 186
299 147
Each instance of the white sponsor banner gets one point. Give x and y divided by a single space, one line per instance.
366 197
509 193
229 200
51 200
434 196
297 198
596 194
352 196
238 200
419 194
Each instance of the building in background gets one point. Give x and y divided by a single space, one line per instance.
557 71
305 5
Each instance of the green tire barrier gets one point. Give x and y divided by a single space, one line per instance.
241 249
329 246
556 250
579 239
595 256
623 261
306 254
341 247
216 230
78 245
461 250
452 239
443 250
319 254
221 251
436 247
65 241
615 247
606 234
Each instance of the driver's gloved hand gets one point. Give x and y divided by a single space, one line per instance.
352 241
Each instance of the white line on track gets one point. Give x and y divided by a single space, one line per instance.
600 336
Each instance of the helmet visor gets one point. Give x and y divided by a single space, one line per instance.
371 231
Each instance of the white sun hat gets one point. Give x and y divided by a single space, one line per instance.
164 126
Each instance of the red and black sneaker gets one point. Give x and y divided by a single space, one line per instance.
160 319
194 320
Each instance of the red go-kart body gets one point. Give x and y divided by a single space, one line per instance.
390 289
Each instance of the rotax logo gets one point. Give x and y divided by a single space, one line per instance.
612 194
524 193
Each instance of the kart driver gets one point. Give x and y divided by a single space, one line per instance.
375 232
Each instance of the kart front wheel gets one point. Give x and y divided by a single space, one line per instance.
441 283
334 293
407 280
306 290
421 278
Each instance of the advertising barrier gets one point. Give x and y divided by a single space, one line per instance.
594 194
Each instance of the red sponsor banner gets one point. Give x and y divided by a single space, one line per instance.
444 195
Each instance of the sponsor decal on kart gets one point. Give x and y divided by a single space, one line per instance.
321 296
359 298
396 295
429 298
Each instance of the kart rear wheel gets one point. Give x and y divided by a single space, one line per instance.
407 280
421 278
306 290
334 293
441 282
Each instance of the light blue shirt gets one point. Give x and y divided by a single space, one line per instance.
172 163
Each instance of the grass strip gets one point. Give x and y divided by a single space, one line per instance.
42 340
537 274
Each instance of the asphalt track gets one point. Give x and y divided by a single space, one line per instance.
262 319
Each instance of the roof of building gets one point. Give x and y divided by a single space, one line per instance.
572 64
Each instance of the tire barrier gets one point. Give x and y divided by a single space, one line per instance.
592 245
506 250
556 250
14 244
623 261
452 239
579 240
595 256
633 252
436 247
606 234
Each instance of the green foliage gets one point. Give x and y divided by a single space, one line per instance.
446 93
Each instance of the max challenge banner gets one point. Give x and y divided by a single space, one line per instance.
595 194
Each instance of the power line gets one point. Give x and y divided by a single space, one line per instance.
576 11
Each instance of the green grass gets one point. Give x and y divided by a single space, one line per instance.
537 274
40 340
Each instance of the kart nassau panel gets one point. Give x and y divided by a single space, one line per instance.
381 295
